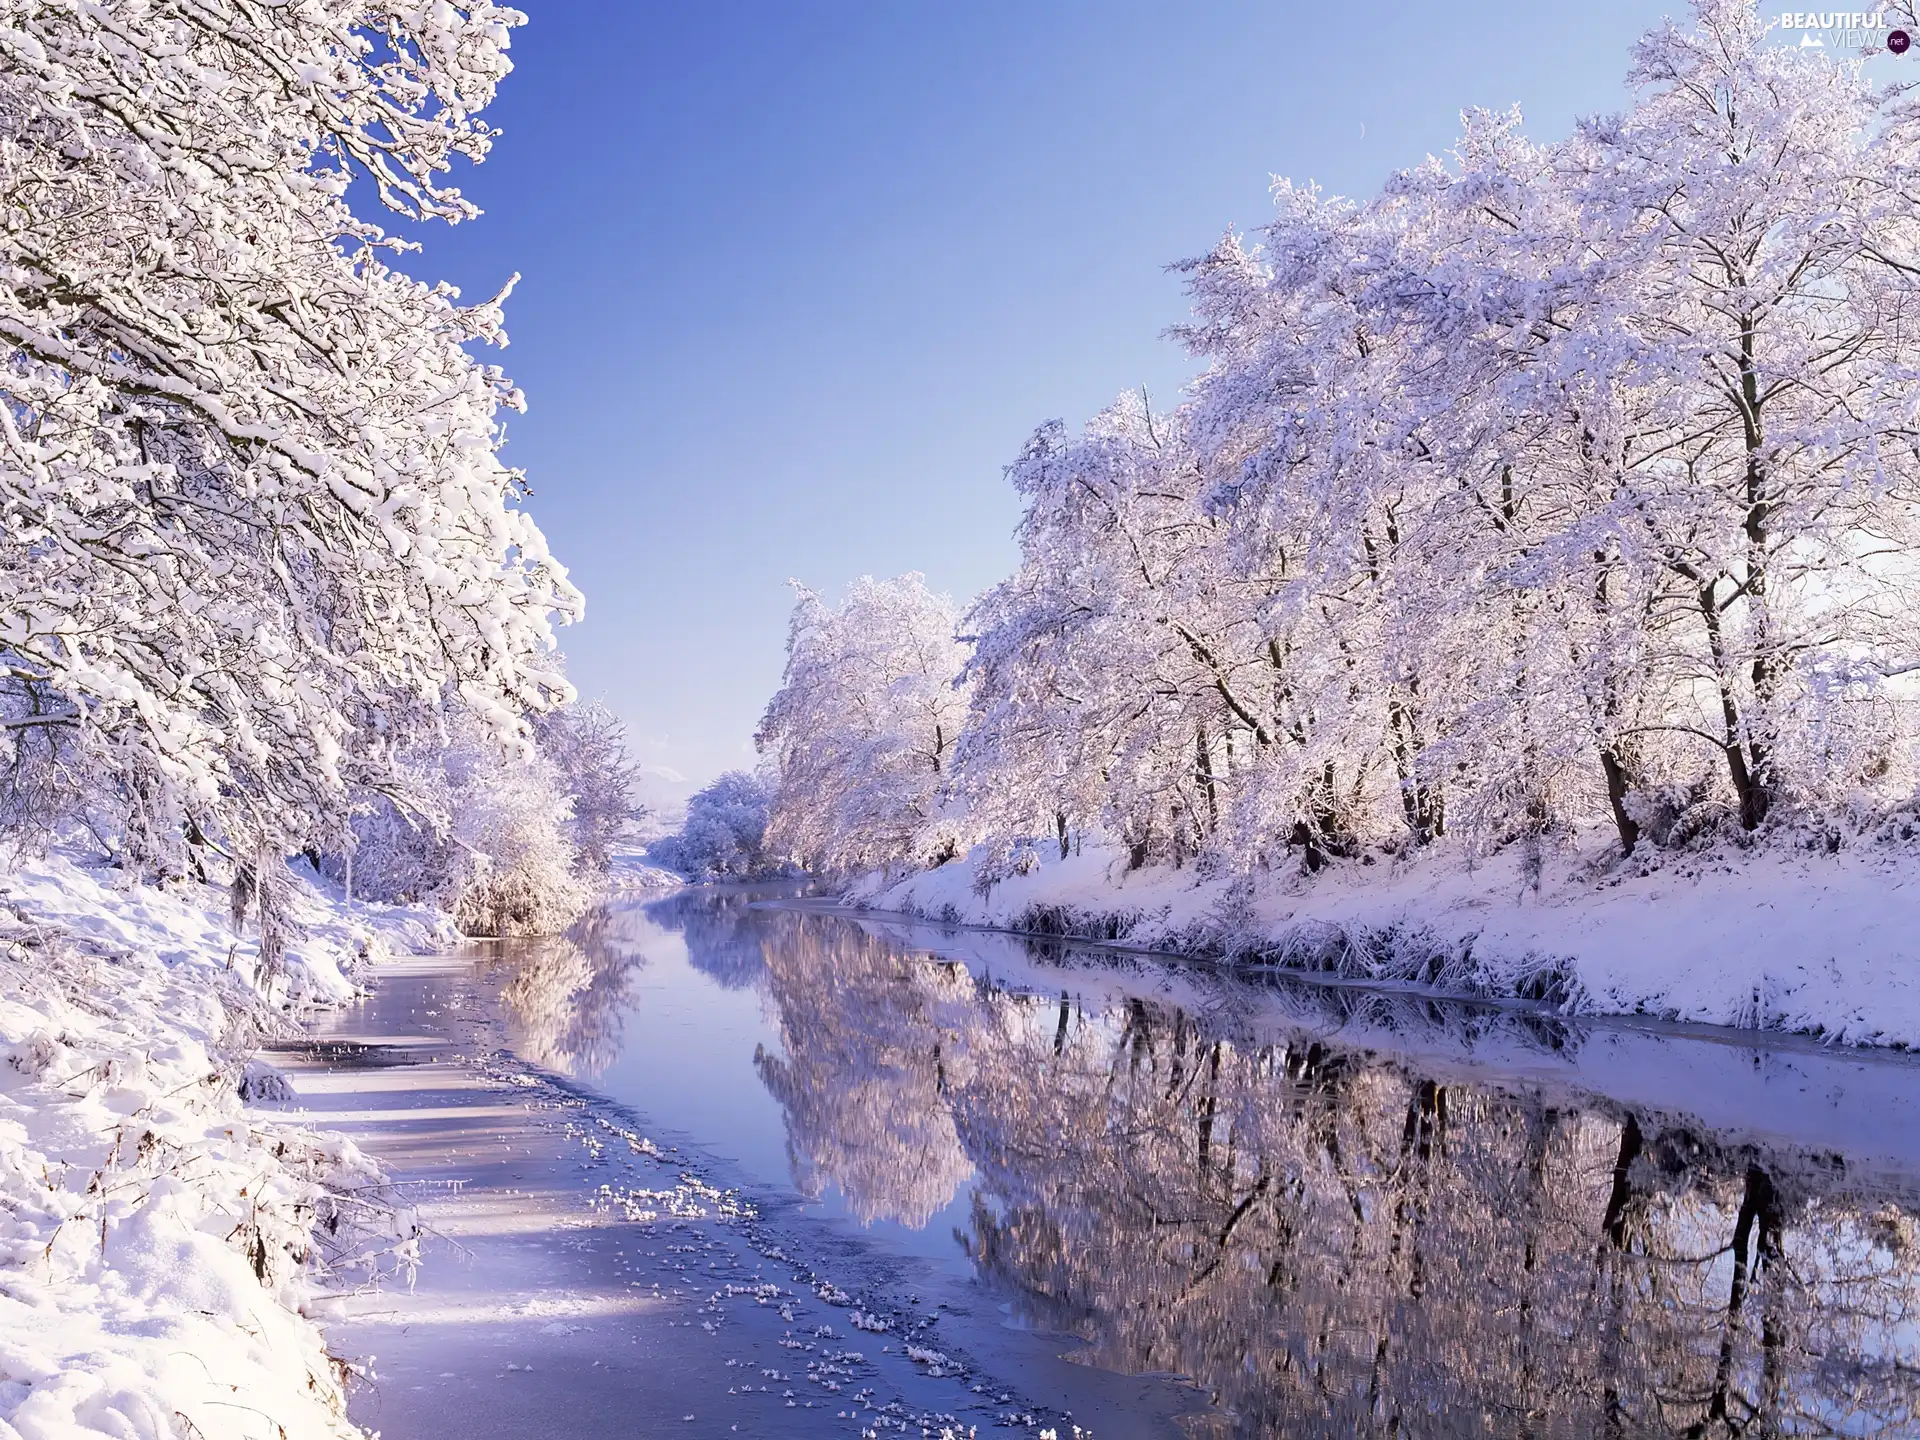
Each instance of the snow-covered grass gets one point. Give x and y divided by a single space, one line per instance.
1772 937
161 1245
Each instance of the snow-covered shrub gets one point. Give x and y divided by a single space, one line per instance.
523 883
483 834
724 837
511 840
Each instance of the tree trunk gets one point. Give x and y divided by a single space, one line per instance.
1764 671
1203 767
1748 787
1617 788
1423 805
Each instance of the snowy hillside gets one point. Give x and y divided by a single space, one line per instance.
162 1246
1778 939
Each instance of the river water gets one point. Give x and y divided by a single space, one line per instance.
1328 1209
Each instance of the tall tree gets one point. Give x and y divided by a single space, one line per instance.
862 732
252 512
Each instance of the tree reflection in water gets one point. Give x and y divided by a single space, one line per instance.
868 1072
723 933
566 997
1330 1241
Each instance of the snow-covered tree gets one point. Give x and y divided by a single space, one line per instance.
1115 679
587 747
1748 231
253 522
724 836
1555 487
861 734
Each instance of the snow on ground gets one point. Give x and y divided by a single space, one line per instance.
1826 944
630 875
159 1241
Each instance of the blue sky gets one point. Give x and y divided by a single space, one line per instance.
798 279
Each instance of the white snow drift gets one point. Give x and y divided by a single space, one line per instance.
161 1245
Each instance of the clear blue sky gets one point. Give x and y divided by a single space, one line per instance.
799 278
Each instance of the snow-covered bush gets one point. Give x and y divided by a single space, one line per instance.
482 832
522 883
724 837
511 840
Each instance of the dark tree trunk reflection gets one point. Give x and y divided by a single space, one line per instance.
1332 1242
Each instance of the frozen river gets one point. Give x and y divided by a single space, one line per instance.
970 1159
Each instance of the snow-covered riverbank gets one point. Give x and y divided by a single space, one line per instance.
1779 938
161 1243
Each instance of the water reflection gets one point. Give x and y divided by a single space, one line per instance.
1335 1246
568 997
871 1068
1348 1213
724 934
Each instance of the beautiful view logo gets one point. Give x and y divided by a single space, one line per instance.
1840 29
